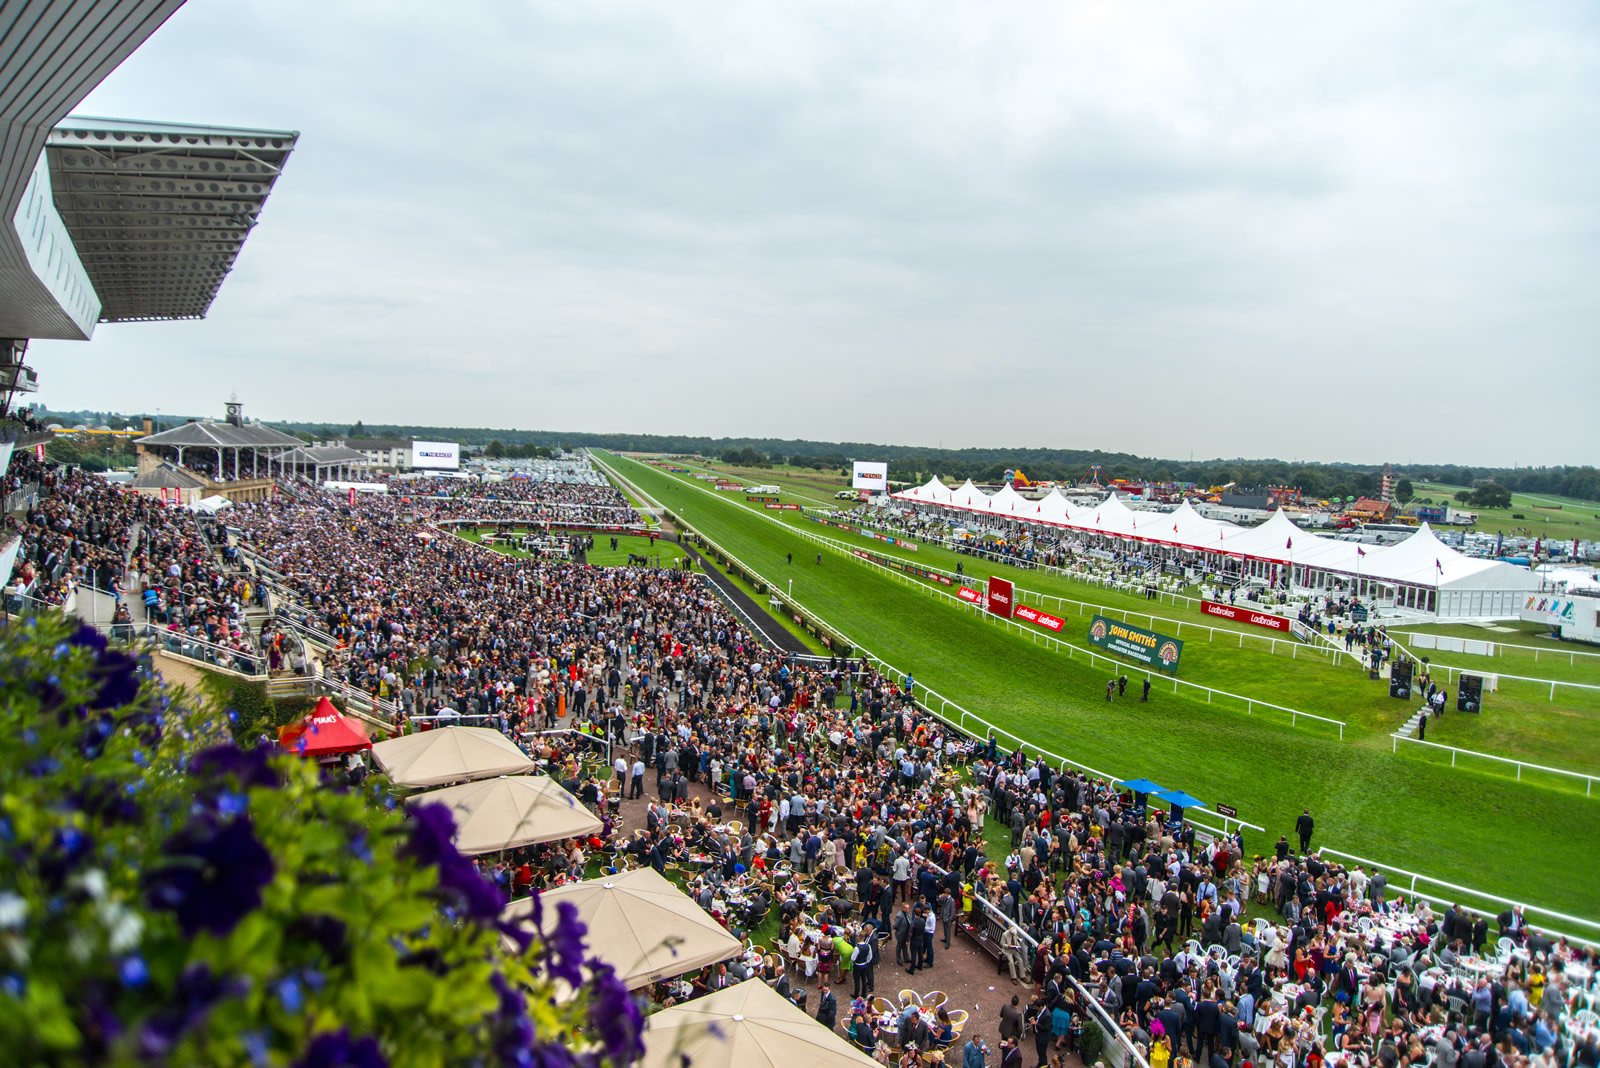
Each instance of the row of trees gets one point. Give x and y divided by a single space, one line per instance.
914 463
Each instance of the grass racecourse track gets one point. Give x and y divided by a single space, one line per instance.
1521 719
1530 841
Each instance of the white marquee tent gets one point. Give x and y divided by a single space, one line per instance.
1420 572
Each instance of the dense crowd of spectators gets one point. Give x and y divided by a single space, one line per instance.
568 493
152 558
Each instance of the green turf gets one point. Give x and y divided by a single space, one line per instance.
1543 516
1520 721
1483 830
660 553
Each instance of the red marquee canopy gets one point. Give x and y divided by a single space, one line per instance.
326 732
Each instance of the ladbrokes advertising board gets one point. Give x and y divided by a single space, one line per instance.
1000 599
1146 646
1029 614
1244 615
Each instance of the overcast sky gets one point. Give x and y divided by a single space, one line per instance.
1366 232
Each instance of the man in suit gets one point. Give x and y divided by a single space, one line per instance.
1207 1024
828 1008
863 959
1513 924
1011 1019
902 935
1303 827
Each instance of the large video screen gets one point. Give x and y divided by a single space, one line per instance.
435 455
869 475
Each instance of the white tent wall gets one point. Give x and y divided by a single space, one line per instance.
1402 575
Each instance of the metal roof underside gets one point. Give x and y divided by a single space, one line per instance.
52 53
159 212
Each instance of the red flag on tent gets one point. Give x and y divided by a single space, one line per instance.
1360 551
1538 543
1437 566
1288 543
326 732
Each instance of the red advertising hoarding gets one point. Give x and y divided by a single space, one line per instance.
1039 619
1244 615
970 595
1000 600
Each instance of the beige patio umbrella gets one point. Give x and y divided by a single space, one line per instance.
756 1027
640 924
516 810
449 754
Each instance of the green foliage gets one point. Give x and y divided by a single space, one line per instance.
1404 490
91 452
1491 495
166 897
1091 1043
1317 480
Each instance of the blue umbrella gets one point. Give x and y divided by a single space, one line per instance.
1141 786
1179 798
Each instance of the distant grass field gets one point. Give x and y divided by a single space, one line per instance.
1529 840
1543 516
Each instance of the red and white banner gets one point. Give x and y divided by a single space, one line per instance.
1040 619
783 506
1000 599
1244 615
970 595
352 496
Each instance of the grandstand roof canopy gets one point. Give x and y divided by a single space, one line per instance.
107 220
212 435
324 455
159 212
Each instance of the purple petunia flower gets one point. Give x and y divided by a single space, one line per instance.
615 1016
565 943
213 876
432 842
247 767
198 990
336 1049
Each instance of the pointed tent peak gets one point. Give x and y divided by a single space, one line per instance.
325 732
1006 499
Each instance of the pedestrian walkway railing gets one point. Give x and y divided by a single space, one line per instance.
1122 1051
1520 765
1426 886
1497 648
1492 678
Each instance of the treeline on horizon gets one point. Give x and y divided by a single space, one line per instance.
912 463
